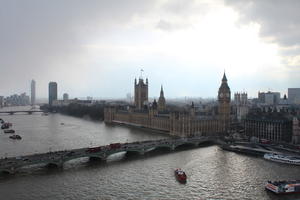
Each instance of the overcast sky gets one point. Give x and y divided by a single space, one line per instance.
97 48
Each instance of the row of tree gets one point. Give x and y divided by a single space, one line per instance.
95 111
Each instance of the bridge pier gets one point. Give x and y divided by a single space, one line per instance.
98 158
12 170
55 164
172 147
142 152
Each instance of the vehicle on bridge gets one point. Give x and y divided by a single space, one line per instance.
94 149
115 146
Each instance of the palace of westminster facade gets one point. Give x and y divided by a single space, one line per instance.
156 116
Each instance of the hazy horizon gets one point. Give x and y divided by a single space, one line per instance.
97 48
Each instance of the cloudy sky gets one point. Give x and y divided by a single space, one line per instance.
97 47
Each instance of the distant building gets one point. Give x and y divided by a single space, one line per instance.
89 98
129 98
177 121
294 95
241 104
161 101
52 92
65 97
17 100
269 98
272 126
283 105
61 103
296 130
140 93
32 92
1 101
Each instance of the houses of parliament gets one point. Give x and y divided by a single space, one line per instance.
157 116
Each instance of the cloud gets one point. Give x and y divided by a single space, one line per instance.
279 20
44 39
82 45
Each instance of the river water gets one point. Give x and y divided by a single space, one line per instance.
212 173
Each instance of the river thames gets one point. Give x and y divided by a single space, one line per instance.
212 173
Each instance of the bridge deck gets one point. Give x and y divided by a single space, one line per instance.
11 164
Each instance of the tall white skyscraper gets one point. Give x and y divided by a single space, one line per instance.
32 92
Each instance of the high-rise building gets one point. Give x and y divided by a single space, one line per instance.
140 93
294 95
52 92
32 92
65 97
224 97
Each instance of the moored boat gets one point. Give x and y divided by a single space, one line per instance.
282 158
283 187
15 137
180 175
9 131
5 126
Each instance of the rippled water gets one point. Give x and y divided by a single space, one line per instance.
212 173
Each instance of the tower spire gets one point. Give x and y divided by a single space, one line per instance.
224 79
161 91
141 77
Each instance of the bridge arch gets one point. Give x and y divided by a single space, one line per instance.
163 147
186 144
6 171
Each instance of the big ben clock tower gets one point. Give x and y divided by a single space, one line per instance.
224 104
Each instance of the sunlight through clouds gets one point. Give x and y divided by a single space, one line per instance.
191 41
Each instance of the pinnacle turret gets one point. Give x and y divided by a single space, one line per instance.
224 79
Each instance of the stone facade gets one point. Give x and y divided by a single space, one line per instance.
271 126
224 97
296 131
241 105
140 93
177 123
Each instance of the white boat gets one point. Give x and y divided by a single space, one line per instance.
282 158
283 187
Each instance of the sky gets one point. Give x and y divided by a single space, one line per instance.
97 47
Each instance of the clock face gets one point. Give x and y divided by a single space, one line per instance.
221 95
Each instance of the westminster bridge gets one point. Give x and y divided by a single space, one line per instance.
11 112
58 158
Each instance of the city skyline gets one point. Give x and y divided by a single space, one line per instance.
183 46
